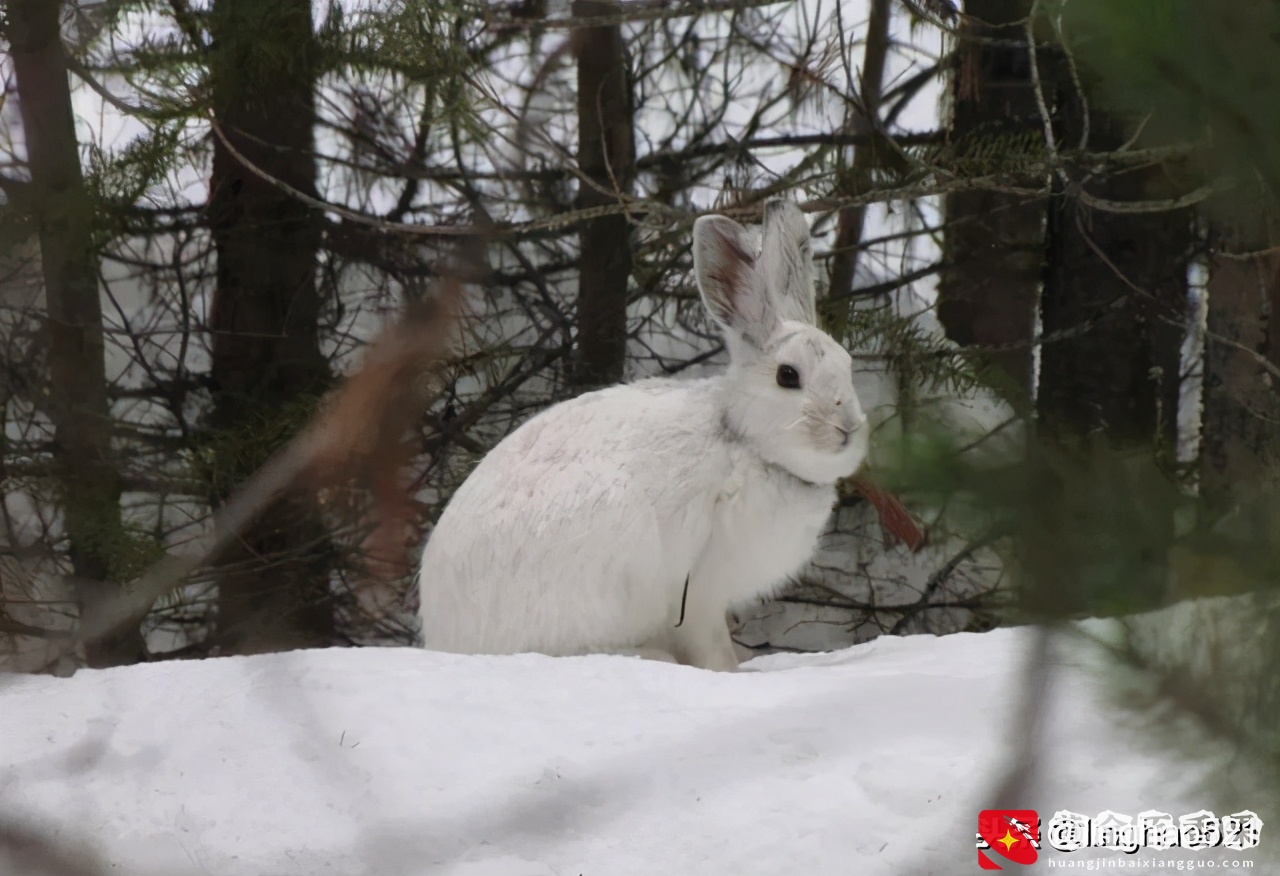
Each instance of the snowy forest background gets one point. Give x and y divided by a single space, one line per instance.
1047 231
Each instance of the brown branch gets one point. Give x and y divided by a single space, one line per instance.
897 520
1163 205
85 75
862 138
643 10
17 628
1260 360
891 285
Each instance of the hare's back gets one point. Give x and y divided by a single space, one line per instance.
575 530
644 440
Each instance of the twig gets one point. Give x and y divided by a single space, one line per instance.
1260 360
86 76
1050 142
1162 205
1065 46
652 10
683 598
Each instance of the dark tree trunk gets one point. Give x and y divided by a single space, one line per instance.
851 220
1114 310
606 156
1241 420
994 247
1115 294
274 584
88 480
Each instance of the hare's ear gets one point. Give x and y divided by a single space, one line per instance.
732 289
786 262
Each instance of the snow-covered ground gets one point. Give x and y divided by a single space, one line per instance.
873 760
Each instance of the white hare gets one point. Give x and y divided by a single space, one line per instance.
630 519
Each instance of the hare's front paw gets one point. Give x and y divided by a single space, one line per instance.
706 646
657 653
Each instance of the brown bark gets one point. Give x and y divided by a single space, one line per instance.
266 359
606 156
987 294
1240 450
78 406
1115 293
1114 303
1114 309
851 220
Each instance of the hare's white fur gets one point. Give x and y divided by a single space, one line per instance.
594 525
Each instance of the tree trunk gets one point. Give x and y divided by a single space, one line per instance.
1115 293
266 359
1114 309
851 220
606 156
994 246
1241 420
77 404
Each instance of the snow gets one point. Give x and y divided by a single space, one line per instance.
871 760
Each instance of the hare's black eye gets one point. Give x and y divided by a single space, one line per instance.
788 377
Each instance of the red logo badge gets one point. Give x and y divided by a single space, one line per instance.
1013 834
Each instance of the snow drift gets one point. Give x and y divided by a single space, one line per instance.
872 760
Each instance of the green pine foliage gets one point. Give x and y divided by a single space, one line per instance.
917 356
1191 71
225 458
993 149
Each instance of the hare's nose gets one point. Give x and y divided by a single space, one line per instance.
852 421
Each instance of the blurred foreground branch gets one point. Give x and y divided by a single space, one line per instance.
359 434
